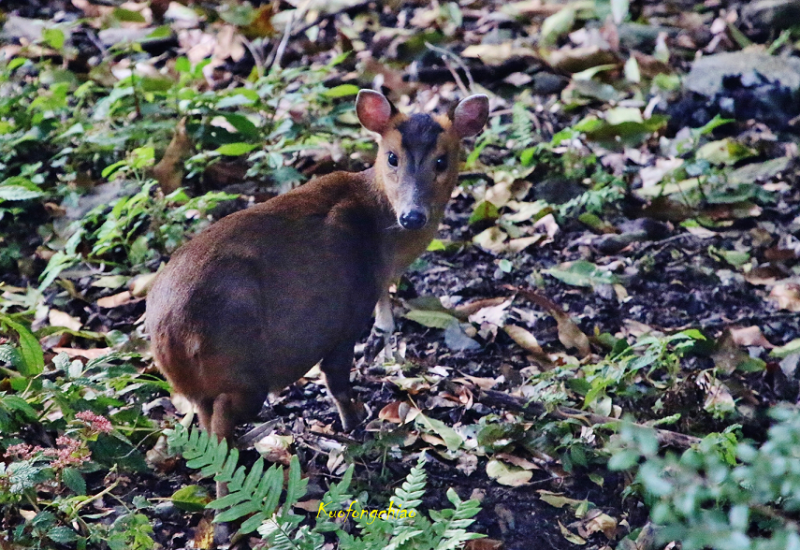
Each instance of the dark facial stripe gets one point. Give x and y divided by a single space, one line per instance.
419 135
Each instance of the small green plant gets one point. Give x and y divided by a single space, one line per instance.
725 494
256 494
90 418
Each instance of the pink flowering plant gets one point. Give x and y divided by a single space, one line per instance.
62 423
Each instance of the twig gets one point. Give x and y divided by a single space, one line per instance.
91 499
447 53
276 61
535 408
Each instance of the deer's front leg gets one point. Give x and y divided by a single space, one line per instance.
381 334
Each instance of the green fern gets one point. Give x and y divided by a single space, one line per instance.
521 125
257 494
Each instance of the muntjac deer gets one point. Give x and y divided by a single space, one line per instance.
257 299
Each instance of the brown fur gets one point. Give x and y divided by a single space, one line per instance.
253 302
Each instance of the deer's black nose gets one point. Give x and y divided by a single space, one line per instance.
415 219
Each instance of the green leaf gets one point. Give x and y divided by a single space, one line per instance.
436 245
431 319
236 149
787 349
619 10
73 479
29 347
18 188
484 210
451 438
581 273
54 38
343 90
191 498
62 534
623 460
557 24
128 16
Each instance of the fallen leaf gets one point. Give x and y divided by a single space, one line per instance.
568 332
483 544
570 536
603 523
492 240
496 54
750 336
523 338
517 461
558 500
511 476
60 319
786 296
169 170
467 463
312 505
465 310
116 300
494 314
398 412
275 448
93 353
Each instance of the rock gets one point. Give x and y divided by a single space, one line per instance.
709 75
637 36
767 15
742 86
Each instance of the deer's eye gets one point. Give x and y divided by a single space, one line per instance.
392 159
441 163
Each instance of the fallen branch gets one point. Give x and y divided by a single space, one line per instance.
534 408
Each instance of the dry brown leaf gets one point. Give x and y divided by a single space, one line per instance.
483 544
517 461
557 500
492 240
494 314
467 463
568 332
469 308
786 296
203 535
482 383
750 336
60 319
523 338
140 285
520 244
116 300
309 505
275 448
600 522
570 536
496 54
634 328
766 275
548 225
169 170
398 412
575 60
507 475
93 353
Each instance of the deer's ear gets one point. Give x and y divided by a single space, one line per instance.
374 110
470 115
